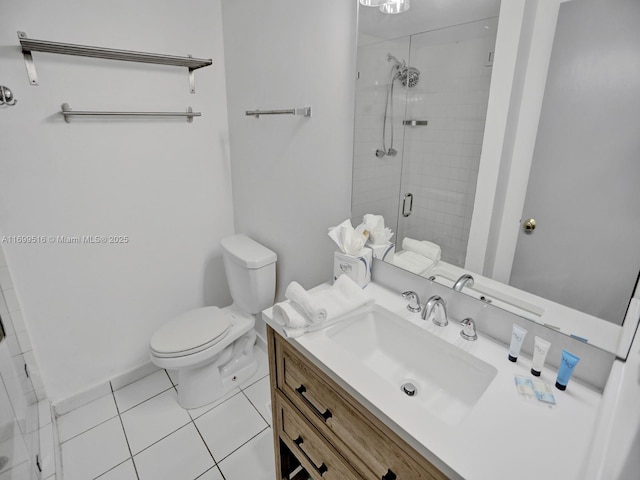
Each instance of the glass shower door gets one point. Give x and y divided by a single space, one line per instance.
19 433
376 179
445 117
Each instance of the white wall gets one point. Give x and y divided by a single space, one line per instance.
164 183
291 175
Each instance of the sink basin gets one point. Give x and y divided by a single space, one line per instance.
448 381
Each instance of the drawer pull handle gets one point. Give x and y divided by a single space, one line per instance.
326 415
389 475
322 468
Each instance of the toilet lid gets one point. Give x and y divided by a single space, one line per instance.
191 331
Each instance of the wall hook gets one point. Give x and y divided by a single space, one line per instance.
6 97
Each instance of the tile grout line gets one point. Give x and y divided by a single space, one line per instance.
160 439
215 467
253 383
88 429
256 408
146 400
135 468
215 463
170 379
215 406
238 448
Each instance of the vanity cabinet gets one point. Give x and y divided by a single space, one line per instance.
319 426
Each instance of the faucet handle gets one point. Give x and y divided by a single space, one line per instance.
468 331
414 301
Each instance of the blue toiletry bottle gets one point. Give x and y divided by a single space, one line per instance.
567 364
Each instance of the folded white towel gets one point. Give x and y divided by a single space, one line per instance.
412 262
344 296
288 316
423 247
298 295
341 298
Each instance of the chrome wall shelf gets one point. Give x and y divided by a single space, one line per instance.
31 45
304 111
67 112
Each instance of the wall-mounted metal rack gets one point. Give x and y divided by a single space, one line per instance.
67 112
32 45
304 111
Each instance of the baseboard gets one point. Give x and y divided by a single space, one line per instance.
261 343
60 407
133 375
93 393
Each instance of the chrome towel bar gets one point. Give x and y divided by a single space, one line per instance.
305 111
67 112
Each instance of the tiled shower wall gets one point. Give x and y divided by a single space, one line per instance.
25 421
437 163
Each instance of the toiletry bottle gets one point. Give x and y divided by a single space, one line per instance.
517 338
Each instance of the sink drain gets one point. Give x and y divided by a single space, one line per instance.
409 389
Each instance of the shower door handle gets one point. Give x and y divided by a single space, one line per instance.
405 212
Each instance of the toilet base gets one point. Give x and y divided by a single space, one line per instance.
199 386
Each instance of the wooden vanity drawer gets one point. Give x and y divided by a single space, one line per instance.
373 450
312 450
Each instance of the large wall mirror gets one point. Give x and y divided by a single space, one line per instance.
456 150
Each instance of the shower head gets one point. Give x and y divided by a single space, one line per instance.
408 76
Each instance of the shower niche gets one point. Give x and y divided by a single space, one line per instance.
421 103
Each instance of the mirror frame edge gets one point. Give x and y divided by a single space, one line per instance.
509 143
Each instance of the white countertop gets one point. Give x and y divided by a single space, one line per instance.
503 436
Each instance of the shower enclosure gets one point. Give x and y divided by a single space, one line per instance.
19 422
424 183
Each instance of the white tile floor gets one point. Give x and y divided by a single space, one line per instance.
139 432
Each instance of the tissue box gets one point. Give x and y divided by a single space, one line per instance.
384 251
356 267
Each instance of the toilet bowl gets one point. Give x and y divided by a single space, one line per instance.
211 348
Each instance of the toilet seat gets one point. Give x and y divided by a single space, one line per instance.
191 332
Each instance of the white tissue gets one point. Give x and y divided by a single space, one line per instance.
348 239
373 222
378 233
380 237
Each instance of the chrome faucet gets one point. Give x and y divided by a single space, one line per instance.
414 301
465 279
436 311
468 331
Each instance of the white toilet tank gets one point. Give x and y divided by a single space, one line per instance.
251 273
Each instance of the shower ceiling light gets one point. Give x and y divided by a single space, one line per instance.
395 6
372 3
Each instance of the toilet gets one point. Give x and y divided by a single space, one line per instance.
212 348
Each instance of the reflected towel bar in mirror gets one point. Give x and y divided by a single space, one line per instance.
414 123
304 111
67 112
